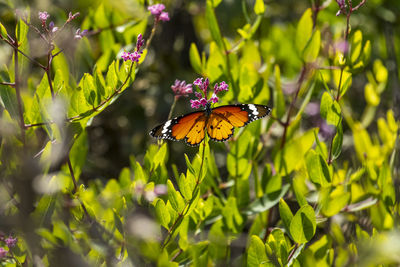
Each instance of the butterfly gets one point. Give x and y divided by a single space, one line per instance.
218 122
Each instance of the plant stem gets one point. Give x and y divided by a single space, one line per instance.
186 209
287 123
18 94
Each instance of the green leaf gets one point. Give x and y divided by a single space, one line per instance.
100 18
304 30
355 46
231 215
337 141
111 79
118 222
213 24
194 57
330 110
256 254
89 89
291 156
189 165
386 185
9 99
175 198
279 100
161 156
317 169
186 185
3 31
303 225
312 48
296 184
259 7
285 213
162 213
60 63
266 202
333 202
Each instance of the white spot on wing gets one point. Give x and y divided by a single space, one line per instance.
165 127
254 109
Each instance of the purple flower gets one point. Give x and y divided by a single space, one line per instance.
342 7
135 56
79 34
126 56
74 16
180 88
156 9
223 86
198 95
3 253
198 82
203 101
214 99
164 16
139 43
195 103
43 16
11 242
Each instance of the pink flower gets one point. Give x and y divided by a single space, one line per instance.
43 16
198 82
221 87
3 252
11 242
135 56
126 56
156 9
139 43
180 88
214 99
79 34
164 16
195 103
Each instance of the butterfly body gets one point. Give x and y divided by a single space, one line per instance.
218 122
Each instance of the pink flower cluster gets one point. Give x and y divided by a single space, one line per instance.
134 56
157 11
202 97
180 88
10 242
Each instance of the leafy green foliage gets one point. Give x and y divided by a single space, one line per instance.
313 184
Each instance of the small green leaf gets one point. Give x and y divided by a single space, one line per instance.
337 141
267 201
89 89
259 7
317 169
304 30
312 48
175 198
162 213
118 222
3 31
161 156
333 202
279 100
303 225
213 24
355 46
231 215
285 213
330 110
297 189
256 255
194 57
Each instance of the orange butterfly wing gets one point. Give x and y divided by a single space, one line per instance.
223 119
219 121
189 127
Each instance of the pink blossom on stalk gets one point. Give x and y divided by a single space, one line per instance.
3 253
79 34
202 99
139 43
135 56
156 9
164 16
214 99
180 88
43 16
126 56
11 242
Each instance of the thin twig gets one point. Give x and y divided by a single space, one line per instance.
18 94
287 123
7 83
